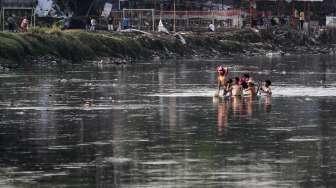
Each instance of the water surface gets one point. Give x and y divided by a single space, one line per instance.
157 125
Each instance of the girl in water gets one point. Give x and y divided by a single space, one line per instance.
266 89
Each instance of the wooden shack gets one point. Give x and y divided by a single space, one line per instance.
18 9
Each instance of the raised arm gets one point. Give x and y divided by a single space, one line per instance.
226 71
218 84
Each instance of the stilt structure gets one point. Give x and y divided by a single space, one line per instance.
19 8
306 9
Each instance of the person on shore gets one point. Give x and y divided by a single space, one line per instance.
302 19
266 89
11 23
275 21
66 22
125 23
237 89
221 79
87 23
119 27
24 24
93 24
211 27
110 21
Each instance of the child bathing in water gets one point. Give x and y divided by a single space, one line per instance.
237 89
244 80
266 89
222 79
250 91
228 88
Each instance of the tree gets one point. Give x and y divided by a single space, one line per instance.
79 7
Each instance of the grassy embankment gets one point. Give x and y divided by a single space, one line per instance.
76 46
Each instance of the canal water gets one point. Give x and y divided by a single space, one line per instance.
156 124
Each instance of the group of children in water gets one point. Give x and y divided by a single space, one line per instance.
243 86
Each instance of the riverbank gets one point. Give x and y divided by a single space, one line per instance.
52 45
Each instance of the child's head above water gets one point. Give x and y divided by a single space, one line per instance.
237 80
268 83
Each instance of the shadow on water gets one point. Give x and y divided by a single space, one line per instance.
154 125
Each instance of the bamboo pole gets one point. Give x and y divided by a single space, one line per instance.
250 2
174 17
3 19
153 19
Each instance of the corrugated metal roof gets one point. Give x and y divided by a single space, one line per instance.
293 0
310 0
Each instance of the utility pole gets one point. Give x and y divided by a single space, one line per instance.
91 5
174 17
251 12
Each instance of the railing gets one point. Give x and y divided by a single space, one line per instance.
200 14
18 3
182 20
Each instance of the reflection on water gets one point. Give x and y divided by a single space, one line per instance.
239 108
159 126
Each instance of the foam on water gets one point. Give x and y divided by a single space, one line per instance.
304 91
118 160
278 91
303 139
163 162
199 92
59 148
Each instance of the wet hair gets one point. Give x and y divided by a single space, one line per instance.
221 70
237 80
244 85
246 75
268 82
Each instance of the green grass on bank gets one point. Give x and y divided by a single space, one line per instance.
18 46
79 45
74 45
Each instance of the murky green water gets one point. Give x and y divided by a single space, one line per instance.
157 125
